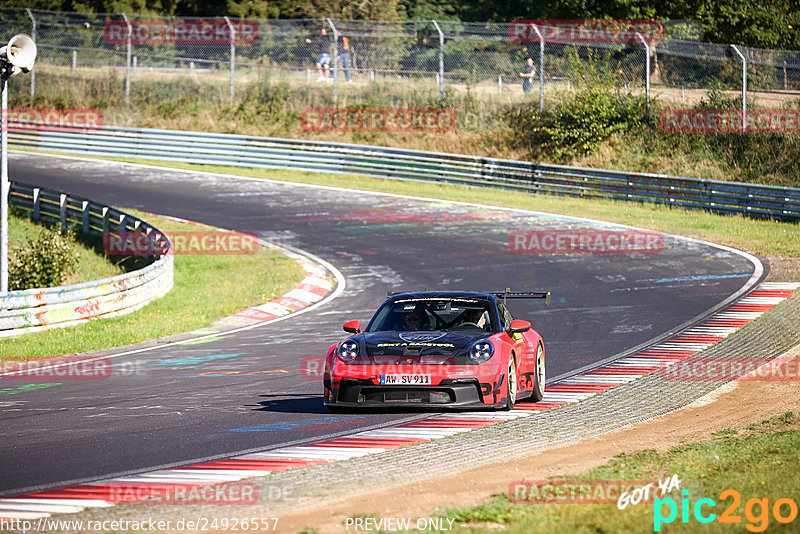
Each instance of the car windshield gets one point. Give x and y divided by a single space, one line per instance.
434 314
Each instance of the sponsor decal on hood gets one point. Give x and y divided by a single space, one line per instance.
421 347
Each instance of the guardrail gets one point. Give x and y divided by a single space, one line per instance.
34 310
780 203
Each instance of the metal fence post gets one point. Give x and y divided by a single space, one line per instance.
33 36
541 66
128 39
62 211
5 186
85 215
233 55
37 205
744 86
105 219
646 69
441 60
335 59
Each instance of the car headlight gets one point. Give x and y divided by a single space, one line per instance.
481 351
348 351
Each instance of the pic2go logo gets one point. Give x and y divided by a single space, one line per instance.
756 511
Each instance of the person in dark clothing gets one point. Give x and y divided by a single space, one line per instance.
527 76
324 57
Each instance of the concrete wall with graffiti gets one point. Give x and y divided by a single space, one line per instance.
34 310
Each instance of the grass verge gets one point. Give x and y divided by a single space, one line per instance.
591 121
91 266
758 462
206 288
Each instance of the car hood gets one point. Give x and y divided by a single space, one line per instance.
436 347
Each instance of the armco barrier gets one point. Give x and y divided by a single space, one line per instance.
54 307
781 203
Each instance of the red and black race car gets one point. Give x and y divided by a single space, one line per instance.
438 349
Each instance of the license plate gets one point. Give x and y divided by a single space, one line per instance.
405 380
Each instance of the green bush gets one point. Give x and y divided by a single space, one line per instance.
577 125
46 261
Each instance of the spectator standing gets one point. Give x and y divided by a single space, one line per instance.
528 75
324 57
343 50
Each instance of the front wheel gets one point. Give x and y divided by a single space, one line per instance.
511 384
539 375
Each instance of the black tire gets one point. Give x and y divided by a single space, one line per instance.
511 383
538 375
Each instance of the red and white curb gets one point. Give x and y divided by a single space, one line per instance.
673 349
317 284
74 498
314 287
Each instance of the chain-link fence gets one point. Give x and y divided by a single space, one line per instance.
118 60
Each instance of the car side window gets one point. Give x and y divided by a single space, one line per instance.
505 317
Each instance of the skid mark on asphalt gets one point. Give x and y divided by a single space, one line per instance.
202 341
212 374
316 423
197 359
27 387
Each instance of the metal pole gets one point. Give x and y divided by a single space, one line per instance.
128 60
646 69
33 36
785 84
4 185
541 66
441 60
744 86
335 58
233 55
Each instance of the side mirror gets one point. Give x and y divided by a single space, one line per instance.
518 326
354 327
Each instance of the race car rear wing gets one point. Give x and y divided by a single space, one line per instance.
508 294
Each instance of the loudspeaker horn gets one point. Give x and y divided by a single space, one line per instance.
20 52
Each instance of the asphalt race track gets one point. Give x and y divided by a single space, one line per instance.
179 406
